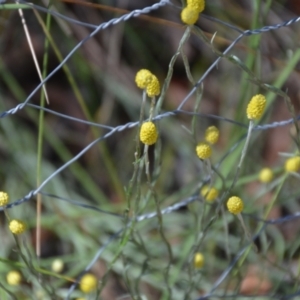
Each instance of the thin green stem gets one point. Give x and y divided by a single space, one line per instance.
40 141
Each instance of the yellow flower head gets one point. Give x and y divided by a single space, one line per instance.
148 133
57 265
88 283
292 164
198 260
266 175
189 15
235 205
17 226
3 198
203 150
143 78
212 134
209 194
14 278
197 5
153 87
256 107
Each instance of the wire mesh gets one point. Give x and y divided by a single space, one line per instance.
165 231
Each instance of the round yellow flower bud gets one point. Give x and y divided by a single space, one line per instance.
88 283
17 226
292 164
198 260
153 88
235 205
256 107
14 278
266 175
40 294
189 15
197 5
203 150
3 198
148 133
143 78
212 134
57 265
209 194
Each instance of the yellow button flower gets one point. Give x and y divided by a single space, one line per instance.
292 164
148 133
197 5
3 198
198 260
266 175
17 226
235 205
57 265
88 283
143 78
256 107
209 194
212 134
189 15
153 87
14 278
203 150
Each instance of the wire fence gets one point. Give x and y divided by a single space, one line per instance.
210 218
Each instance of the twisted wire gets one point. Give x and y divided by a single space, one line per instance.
227 271
114 21
55 113
167 114
57 14
93 261
141 218
33 193
130 125
121 128
168 210
136 13
175 207
245 33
